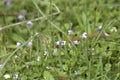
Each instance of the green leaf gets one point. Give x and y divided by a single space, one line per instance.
48 76
107 67
17 38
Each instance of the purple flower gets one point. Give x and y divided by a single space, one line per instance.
84 35
70 31
99 28
57 43
20 16
62 42
29 23
75 42
29 44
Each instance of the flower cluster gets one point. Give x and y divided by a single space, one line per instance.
60 43
21 15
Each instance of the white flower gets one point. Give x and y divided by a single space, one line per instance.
46 53
106 34
75 72
84 33
18 44
113 29
28 66
6 76
48 67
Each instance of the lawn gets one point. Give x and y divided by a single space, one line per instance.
59 40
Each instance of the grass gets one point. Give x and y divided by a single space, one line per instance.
96 57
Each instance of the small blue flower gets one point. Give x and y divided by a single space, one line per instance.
29 23
20 17
62 42
84 35
99 28
75 42
70 31
57 43
29 44
18 44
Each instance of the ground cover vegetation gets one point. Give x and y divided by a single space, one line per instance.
60 39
